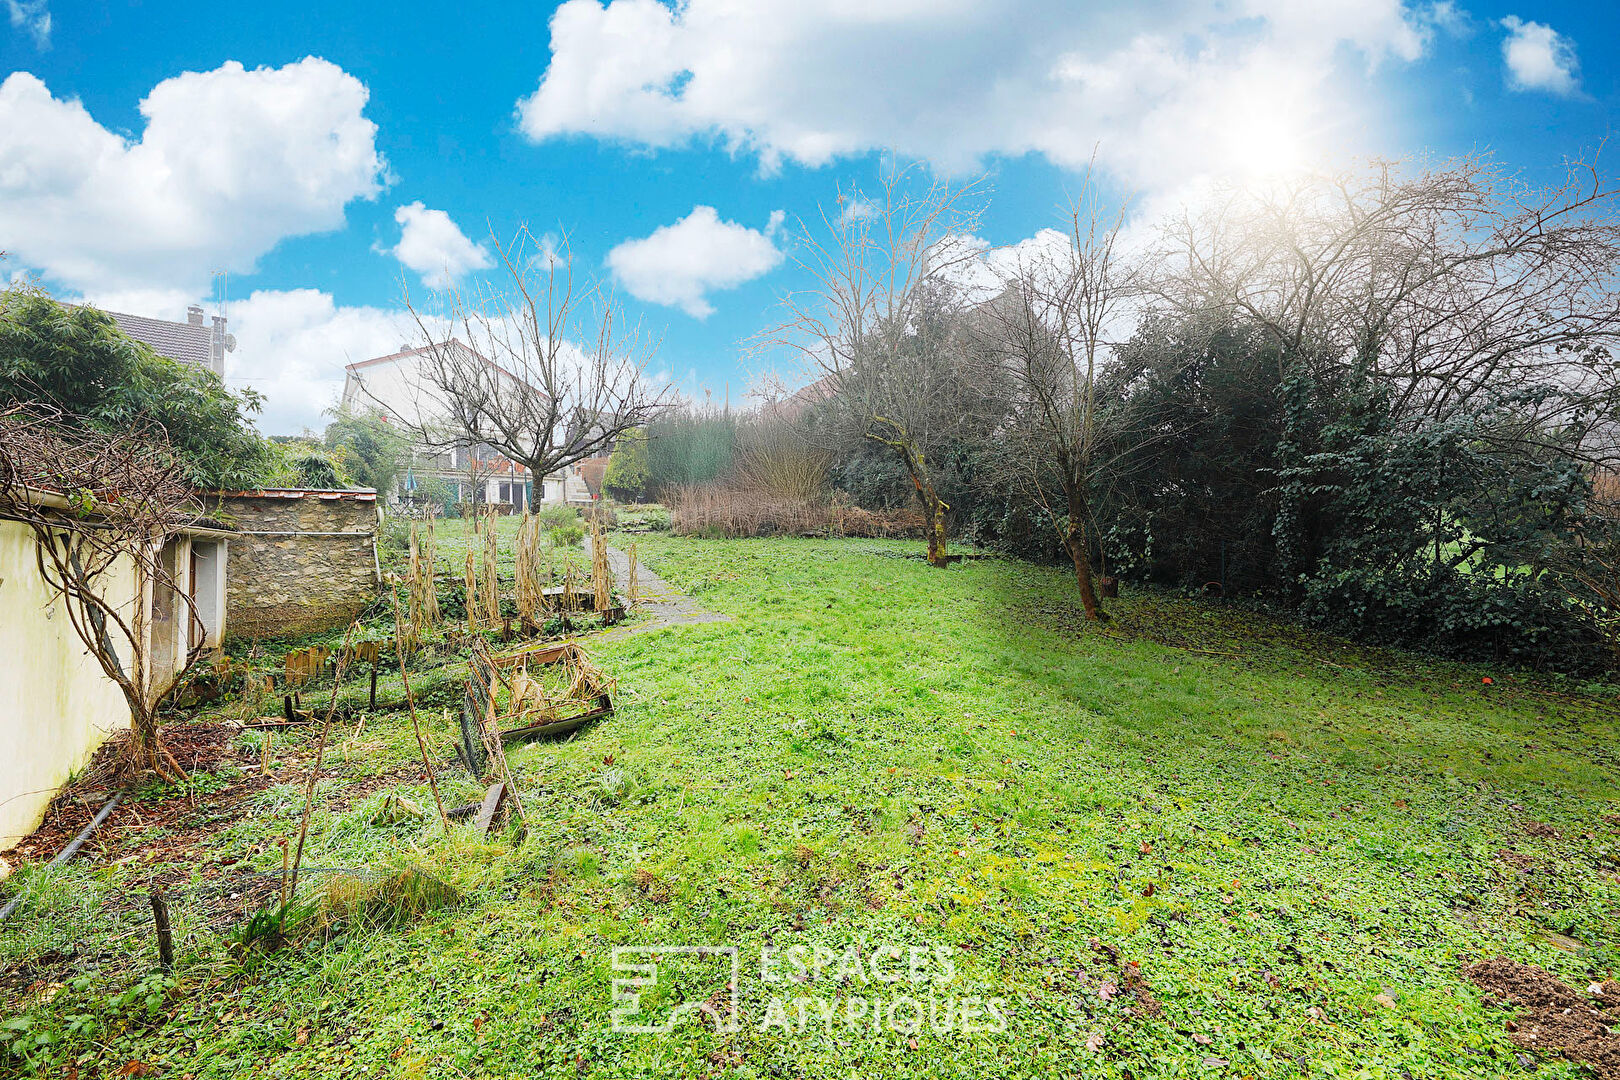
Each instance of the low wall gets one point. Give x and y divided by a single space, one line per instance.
56 704
300 561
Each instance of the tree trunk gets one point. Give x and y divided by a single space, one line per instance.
935 509
1079 548
146 755
933 506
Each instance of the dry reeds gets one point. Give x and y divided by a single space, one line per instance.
775 459
712 510
424 598
491 596
531 590
601 572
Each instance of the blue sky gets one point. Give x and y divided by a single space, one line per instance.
326 159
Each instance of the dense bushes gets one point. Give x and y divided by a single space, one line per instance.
76 360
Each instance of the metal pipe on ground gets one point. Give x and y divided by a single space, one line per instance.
67 853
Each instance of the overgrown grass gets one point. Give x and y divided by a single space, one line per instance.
1285 832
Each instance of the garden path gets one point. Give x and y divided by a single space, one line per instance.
666 605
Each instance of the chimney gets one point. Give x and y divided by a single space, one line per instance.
219 343
194 315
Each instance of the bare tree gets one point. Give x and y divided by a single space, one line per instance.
1447 284
100 508
1044 340
875 326
548 374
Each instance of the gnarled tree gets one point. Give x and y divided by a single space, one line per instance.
879 326
1044 340
100 507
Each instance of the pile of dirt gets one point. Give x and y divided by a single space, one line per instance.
1555 1018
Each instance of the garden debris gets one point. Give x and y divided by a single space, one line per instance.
395 810
489 808
539 689
1555 1018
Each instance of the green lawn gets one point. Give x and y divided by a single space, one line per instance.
1200 843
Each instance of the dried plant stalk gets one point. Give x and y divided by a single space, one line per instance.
601 572
492 581
472 593
430 562
527 559
633 585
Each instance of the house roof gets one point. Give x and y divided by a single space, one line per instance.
189 342
402 354
418 351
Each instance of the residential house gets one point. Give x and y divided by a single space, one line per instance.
398 386
193 341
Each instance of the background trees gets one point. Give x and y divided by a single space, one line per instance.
75 362
371 451
1379 399
626 476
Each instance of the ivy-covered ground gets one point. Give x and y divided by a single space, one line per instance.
1195 843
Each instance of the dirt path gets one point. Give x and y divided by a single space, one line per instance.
666 605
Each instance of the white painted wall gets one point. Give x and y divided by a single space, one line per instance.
56 704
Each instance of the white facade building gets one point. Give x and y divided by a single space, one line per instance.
398 387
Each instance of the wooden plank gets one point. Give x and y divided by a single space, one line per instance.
561 727
491 806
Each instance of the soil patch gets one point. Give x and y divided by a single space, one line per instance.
1553 1018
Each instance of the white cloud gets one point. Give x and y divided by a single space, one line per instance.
1539 58
33 17
678 264
231 161
292 345
432 245
1162 87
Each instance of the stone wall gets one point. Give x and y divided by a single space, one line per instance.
301 560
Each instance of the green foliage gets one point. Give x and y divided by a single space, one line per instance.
372 451
567 535
302 462
557 515
627 470
1438 537
687 447
316 471
75 359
